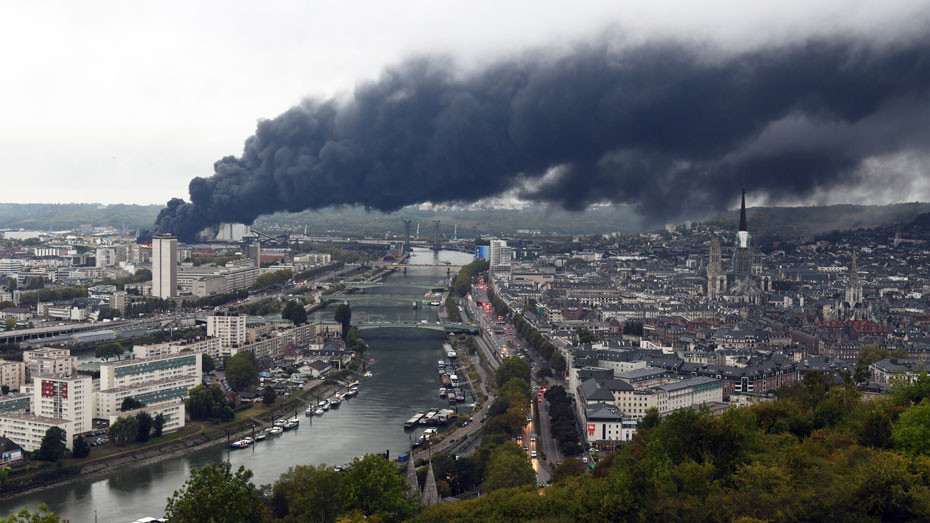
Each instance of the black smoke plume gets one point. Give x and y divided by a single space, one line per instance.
665 127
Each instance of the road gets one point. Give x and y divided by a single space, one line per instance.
511 344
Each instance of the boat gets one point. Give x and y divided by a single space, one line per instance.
350 393
410 423
292 424
442 392
268 430
309 411
353 385
367 374
280 423
434 304
459 395
319 412
260 437
325 406
336 401
276 430
427 417
241 444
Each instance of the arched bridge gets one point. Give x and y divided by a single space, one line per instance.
424 286
455 328
381 297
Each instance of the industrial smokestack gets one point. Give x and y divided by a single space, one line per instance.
669 128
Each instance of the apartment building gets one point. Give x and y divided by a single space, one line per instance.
173 412
230 329
134 372
12 374
48 361
209 346
28 430
670 396
15 403
64 398
151 393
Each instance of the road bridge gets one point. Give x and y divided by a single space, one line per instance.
455 328
377 285
381 297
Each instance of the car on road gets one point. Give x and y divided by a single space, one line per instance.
532 453
584 460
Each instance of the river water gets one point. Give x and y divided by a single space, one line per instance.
403 380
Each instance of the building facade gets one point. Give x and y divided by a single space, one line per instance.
164 266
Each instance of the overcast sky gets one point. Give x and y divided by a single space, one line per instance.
125 102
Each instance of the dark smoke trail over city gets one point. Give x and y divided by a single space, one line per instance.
667 128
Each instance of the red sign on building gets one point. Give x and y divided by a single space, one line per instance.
590 429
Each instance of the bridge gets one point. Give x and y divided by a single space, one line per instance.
377 285
381 297
417 266
454 328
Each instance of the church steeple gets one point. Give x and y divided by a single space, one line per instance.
742 212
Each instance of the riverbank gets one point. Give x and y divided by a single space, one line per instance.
208 436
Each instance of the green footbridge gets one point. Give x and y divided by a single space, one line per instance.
453 328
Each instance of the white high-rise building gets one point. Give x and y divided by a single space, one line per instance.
230 329
164 266
501 255
68 398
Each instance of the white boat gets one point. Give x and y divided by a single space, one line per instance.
260 437
277 430
442 392
319 412
350 393
428 416
309 411
336 401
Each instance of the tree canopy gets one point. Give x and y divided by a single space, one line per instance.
53 446
214 494
241 371
343 315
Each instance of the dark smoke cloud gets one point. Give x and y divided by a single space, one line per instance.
664 127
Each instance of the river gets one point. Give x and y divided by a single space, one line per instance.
403 380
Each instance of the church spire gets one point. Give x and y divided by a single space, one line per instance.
742 212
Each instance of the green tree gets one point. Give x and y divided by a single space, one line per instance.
158 425
9 323
25 516
343 315
876 429
585 335
130 403
213 494
512 368
109 350
568 468
81 449
241 371
307 493
508 467
144 426
207 364
53 446
374 487
354 340
124 430
5 389
557 362
295 312
912 431
268 395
